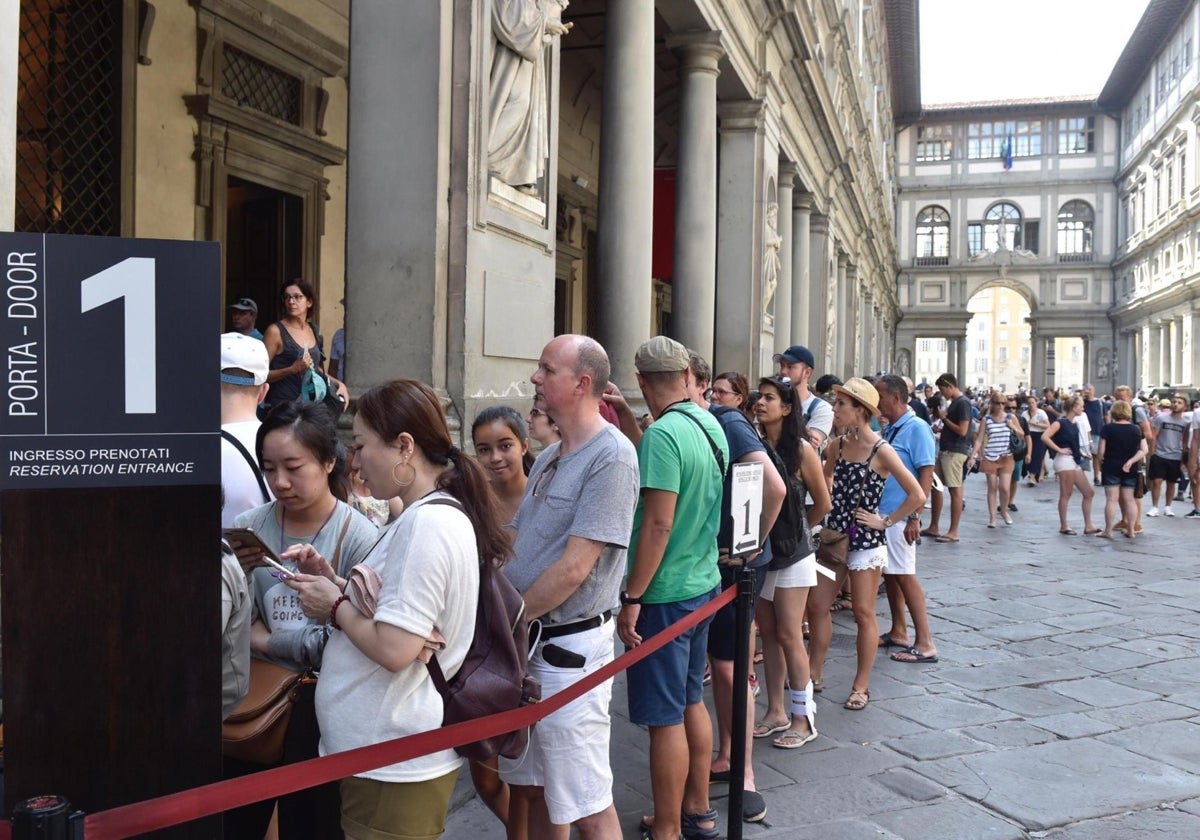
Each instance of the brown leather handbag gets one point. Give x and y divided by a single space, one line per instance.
255 730
832 548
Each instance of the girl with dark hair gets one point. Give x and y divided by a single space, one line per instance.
294 346
298 450
501 442
418 587
780 611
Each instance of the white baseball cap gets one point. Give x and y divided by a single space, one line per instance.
245 355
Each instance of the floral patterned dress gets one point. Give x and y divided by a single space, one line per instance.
850 479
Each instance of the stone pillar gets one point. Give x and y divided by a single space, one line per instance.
1177 376
838 328
1148 353
695 280
626 214
739 236
802 256
787 257
1190 369
1051 373
1037 361
1162 372
960 361
396 209
10 35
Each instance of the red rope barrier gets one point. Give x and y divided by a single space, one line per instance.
187 805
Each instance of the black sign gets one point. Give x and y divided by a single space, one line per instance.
111 352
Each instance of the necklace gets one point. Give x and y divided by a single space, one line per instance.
283 527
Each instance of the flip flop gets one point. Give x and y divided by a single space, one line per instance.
793 739
913 656
1069 532
765 729
885 641
945 539
1092 531
928 533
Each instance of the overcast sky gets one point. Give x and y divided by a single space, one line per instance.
973 50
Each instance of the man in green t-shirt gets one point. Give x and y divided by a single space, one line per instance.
673 572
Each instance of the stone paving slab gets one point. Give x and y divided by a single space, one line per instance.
1175 742
1153 822
1031 702
951 819
1100 692
1054 784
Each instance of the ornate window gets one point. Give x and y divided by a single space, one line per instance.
933 236
1002 225
986 140
934 142
72 117
1076 135
1075 221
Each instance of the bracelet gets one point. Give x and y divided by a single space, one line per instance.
333 611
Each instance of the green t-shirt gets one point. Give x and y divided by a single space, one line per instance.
674 456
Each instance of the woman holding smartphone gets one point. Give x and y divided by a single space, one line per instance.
297 448
423 576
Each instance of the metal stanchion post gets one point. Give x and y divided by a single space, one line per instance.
46 818
744 612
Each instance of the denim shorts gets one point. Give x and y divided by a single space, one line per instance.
671 678
1119 479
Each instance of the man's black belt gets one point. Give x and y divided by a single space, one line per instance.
572 627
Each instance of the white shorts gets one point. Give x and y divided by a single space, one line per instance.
800 574
860 560
901 556
568 750
1064 463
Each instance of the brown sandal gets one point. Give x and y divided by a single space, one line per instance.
858 699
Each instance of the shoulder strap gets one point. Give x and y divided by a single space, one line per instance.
812 406
715 449
237 444
337 551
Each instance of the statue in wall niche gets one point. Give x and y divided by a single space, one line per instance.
519 125
831 293
1102 364
903 362
772 242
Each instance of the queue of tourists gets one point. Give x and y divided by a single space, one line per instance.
619 527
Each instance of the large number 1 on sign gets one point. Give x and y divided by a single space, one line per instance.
133 280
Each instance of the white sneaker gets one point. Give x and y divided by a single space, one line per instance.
1168 511
1152 512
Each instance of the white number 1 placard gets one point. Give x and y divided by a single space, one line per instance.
745 506
132 279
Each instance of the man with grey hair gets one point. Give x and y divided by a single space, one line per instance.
568 561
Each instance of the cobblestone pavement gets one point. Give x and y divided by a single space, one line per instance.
1065 705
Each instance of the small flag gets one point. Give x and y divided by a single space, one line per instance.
1008 146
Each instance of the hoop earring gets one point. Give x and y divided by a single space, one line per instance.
400 483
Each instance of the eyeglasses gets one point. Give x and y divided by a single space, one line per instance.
544 478
295 297
721 392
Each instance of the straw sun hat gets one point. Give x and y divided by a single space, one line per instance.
862 392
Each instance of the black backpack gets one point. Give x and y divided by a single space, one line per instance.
790 531
1016 443
495 676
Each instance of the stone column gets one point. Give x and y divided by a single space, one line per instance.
960 361
1190 370
1037 360
1148 353
396 210
838 329
1051 373
802 255
1177 351
787 257
739 236
10 35
626 214
695 280
1162 372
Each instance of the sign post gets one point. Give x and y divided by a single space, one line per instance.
109 515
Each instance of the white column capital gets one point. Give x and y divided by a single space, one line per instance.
802 201
698 52
742 115
787 174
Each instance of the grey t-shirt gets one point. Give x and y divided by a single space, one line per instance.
1169 435
589 493
818 414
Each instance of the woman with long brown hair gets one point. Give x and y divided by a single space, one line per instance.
294 347
374 685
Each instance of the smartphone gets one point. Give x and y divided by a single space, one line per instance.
246 536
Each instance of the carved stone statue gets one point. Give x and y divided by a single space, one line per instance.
903 362
831 294
772 241
519 130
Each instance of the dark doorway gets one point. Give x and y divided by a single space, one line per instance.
264 233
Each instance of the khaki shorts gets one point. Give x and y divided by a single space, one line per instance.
1001 466
949 468
375 810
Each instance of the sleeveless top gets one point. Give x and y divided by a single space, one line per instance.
1067 437
288 388
996 446
850 479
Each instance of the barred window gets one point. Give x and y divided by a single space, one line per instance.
253 83
68 169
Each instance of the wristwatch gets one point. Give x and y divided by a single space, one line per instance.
629 600
887 522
